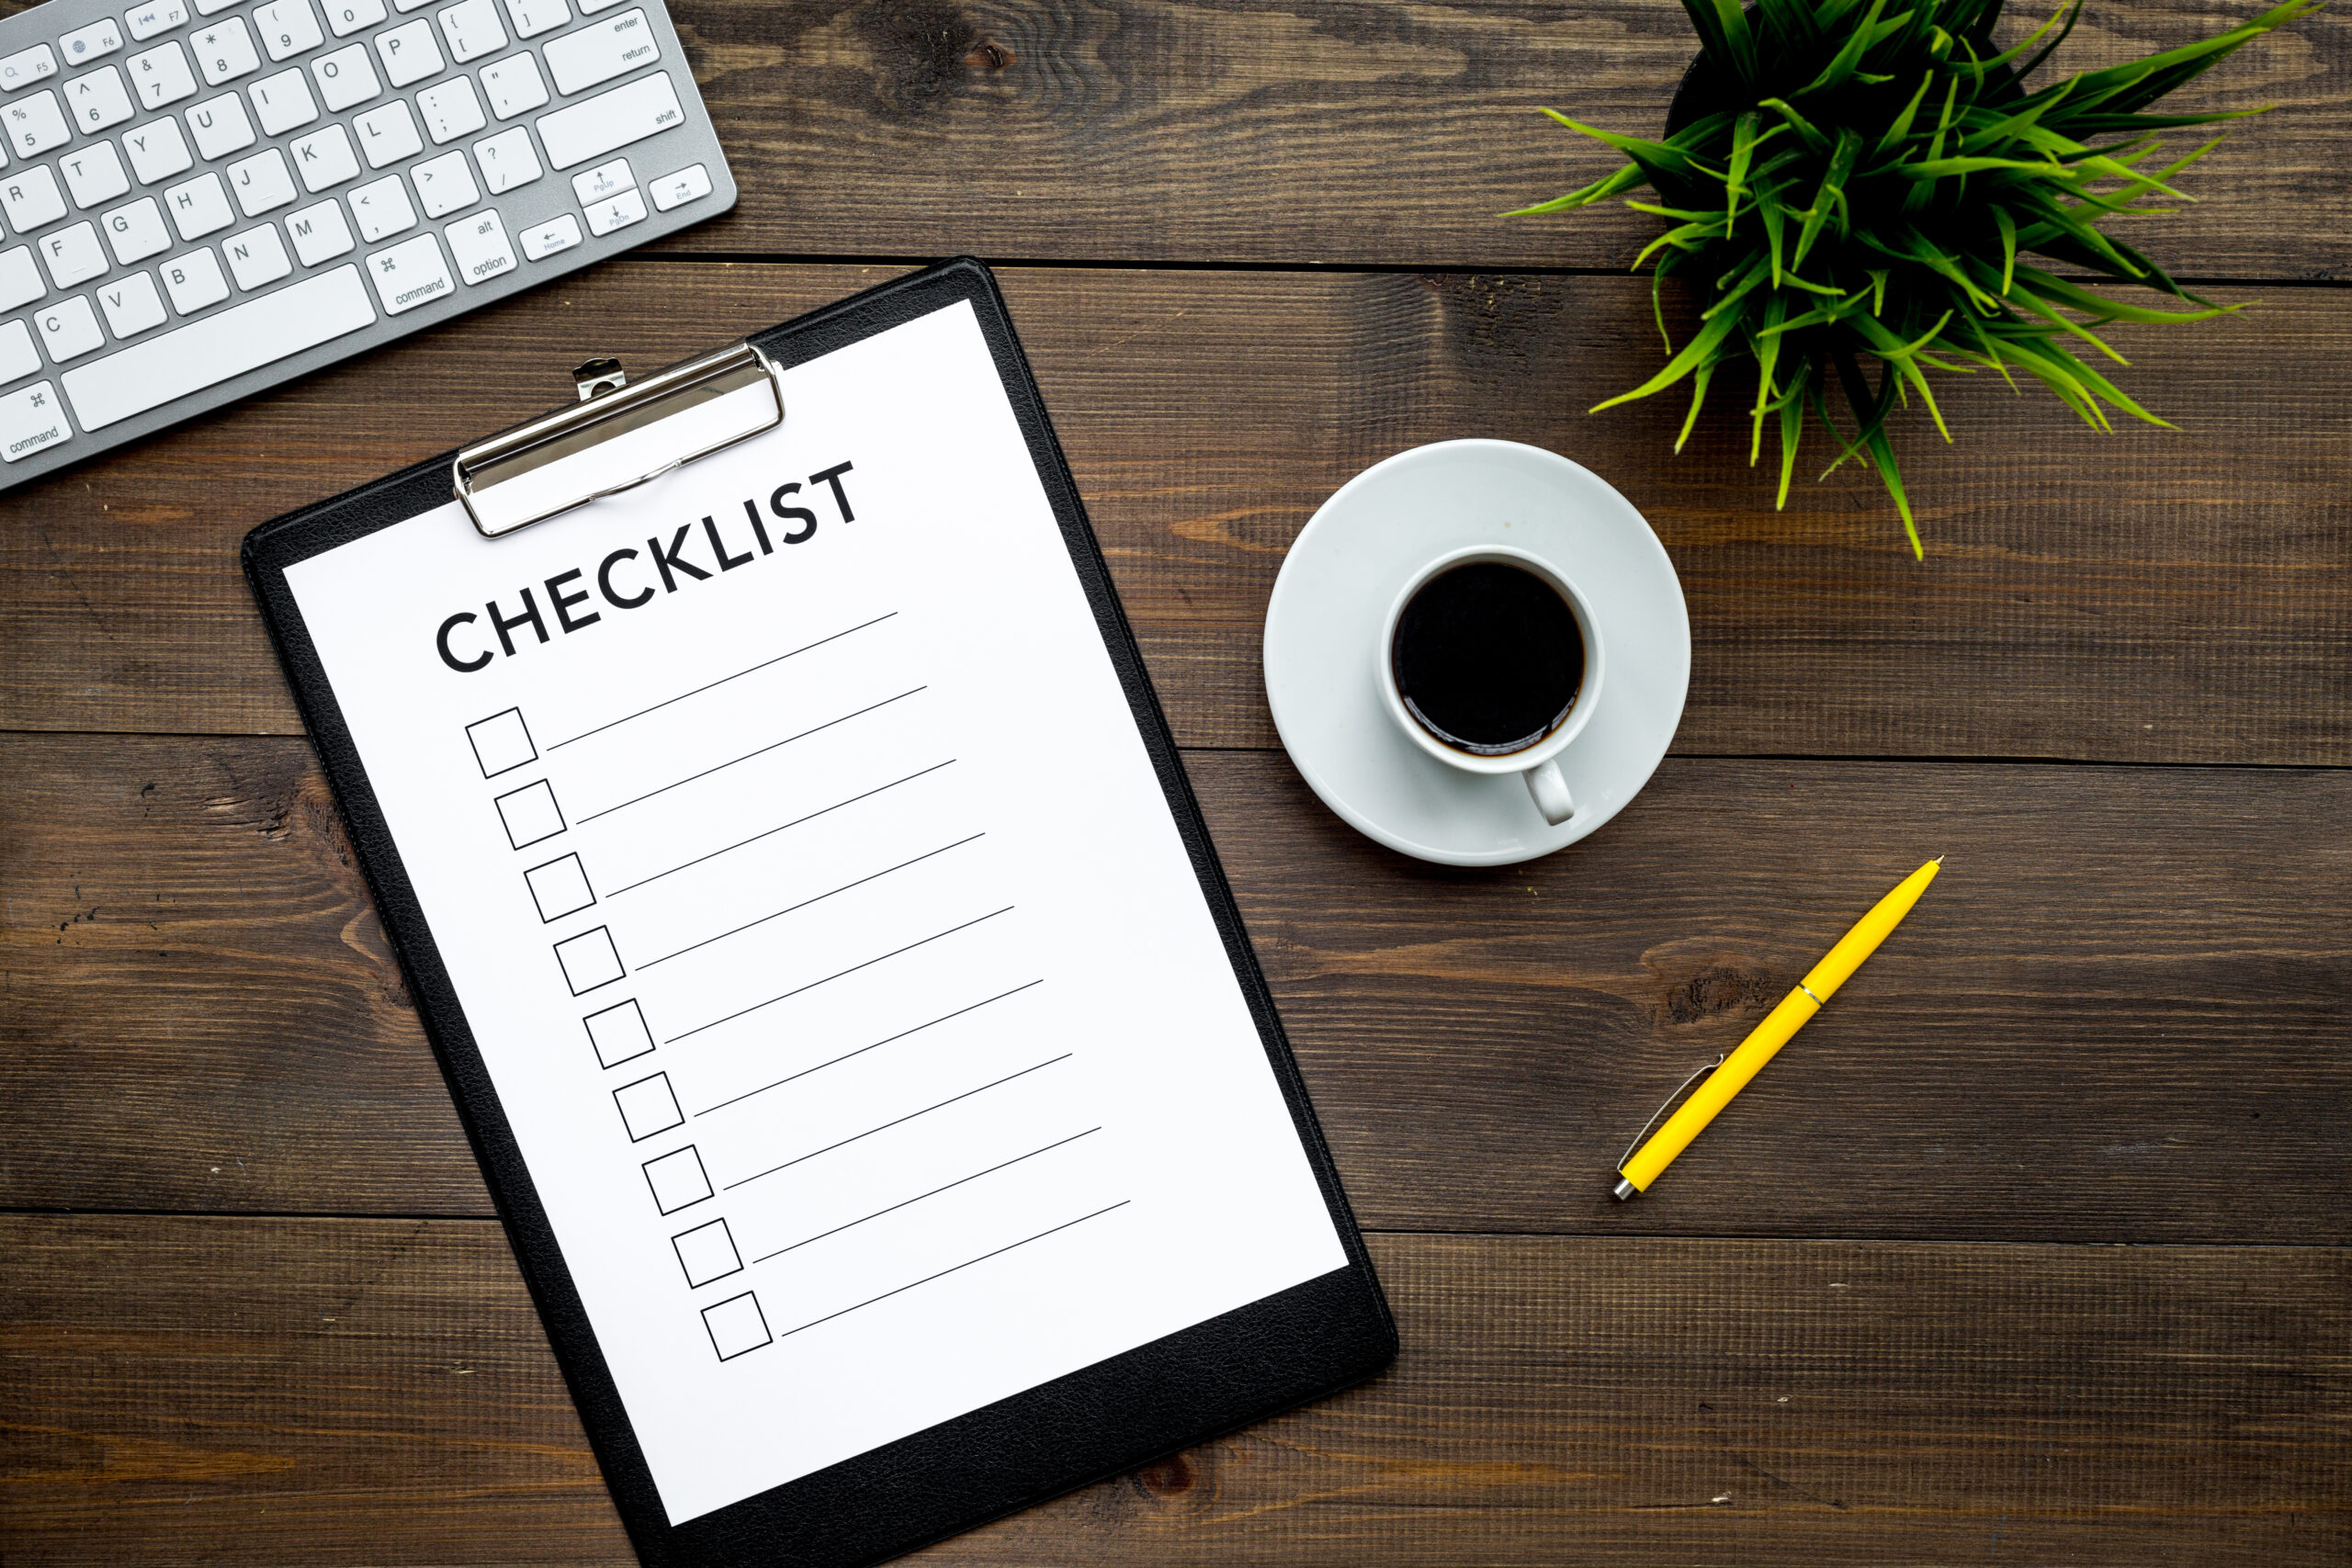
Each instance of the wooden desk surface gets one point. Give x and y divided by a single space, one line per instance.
2034 1250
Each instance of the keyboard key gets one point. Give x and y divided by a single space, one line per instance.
676 190
98 99
220 126
32 198
160 16
507 161
95 41
21 280
325 159
193 281
610 121
161 75
388 134
513 85
27 66
382 209
479 246
262 181
199 206
600 52
207 8
157 151
283 101
68 330
409 275
73 256
131 305
256 257
31 420
533 17
346 18
405 6
450 110
19 358
319 232
548 237
35 124
261 332
590 7
409 53
287 28
444 185
136 232
472 30
94 173
224 51
347 77
618 212
604 180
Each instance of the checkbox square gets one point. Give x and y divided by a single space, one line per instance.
708 1253
589 960
559 888
530 814
502 742
619 1033
737 1325
647 1107
678 1179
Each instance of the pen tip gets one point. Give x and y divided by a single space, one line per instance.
1937 861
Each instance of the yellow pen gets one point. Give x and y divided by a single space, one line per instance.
1796 1010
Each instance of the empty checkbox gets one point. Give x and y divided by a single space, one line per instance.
501 743
678 1179
647 1107
736 1324
530 814
708 1253
619 1033
589 960
559 888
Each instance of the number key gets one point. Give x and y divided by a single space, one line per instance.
347 16
35 124
225 52
288 28
99 100
161 75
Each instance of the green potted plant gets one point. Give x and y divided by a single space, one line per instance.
1873 180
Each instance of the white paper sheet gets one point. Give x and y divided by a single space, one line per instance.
893 945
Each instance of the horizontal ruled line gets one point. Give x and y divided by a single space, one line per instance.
983 1257
812 985
951 1100
862 1050
779 828
820 898
747 756
739 675
934 1192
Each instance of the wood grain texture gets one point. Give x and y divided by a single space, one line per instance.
2119 1016
331 1392
1384 133
2152 596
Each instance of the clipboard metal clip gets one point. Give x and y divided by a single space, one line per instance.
620 434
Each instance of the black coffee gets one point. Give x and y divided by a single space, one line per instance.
1487 657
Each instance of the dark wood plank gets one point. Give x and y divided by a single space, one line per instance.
333 1392
1380 133
2119 1017
2153 596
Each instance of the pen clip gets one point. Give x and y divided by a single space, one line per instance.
1669 1100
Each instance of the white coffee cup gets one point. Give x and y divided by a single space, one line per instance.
1539 763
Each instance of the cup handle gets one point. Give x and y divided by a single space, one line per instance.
1551 792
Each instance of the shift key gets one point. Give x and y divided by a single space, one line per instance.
610 121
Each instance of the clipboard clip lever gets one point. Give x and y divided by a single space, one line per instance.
1678 1091
618 436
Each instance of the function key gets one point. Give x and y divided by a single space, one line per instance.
27 66
159 16
95 41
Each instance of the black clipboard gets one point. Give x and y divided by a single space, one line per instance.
1226 1373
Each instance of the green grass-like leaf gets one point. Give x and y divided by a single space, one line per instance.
1867 185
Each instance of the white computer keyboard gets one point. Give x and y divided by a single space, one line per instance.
204 197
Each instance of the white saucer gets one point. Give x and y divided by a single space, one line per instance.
1357 552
